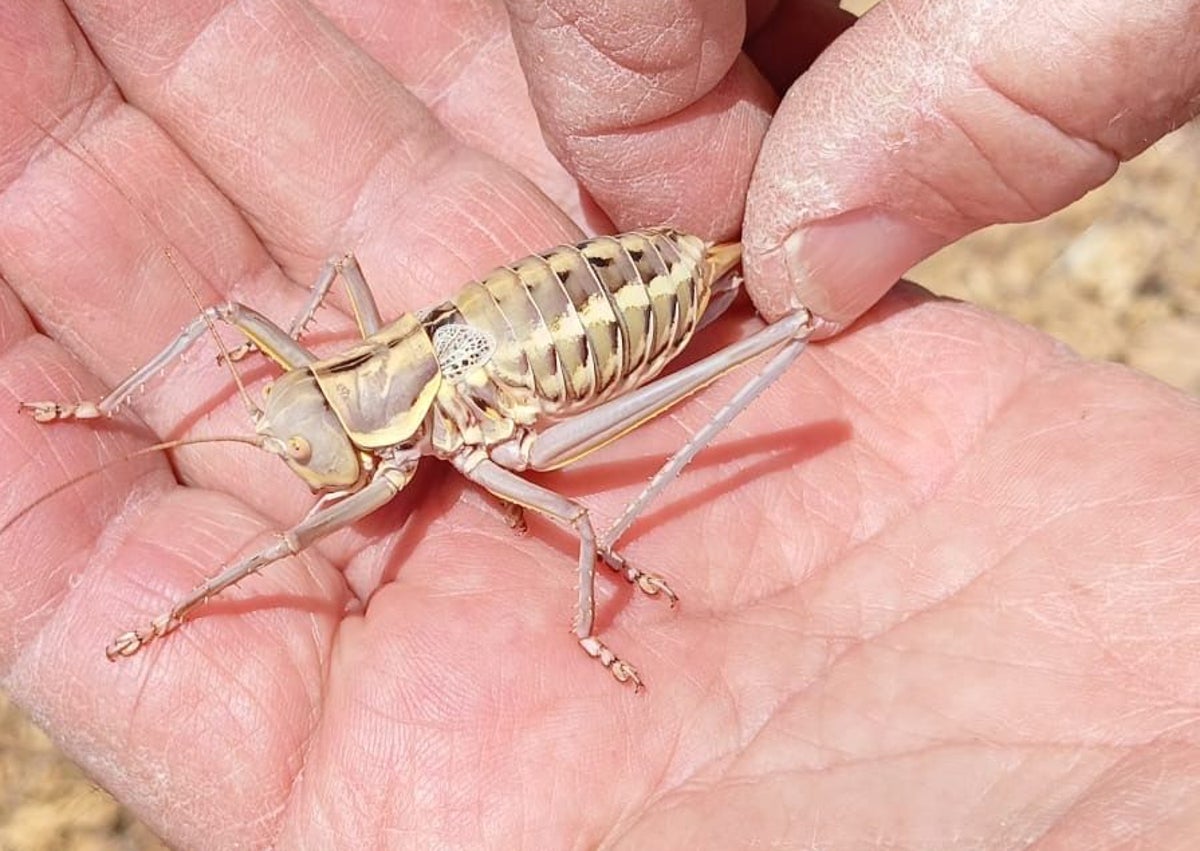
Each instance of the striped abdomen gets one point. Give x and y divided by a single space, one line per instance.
579 324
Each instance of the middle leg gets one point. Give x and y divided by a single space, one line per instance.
512 488
362 300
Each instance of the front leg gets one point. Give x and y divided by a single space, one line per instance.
324 520
259 330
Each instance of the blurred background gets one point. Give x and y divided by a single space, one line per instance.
1116 276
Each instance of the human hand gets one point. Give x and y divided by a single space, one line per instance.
806 669
923 122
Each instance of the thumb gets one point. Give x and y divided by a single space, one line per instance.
927 121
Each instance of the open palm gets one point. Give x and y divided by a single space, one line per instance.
942 580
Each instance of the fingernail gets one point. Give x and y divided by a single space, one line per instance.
839 267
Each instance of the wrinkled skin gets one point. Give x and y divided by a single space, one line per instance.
940 587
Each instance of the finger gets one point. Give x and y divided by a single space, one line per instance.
88 270
459 60
47 546
94 195
74 563
91 194
650 105
784 37
992 112
321 157
318 145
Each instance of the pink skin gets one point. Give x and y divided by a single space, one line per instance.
942 581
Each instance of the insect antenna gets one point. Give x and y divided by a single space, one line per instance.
253 410
257 441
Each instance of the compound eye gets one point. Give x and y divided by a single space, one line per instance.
299 449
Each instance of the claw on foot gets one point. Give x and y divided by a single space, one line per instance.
239 352
125 644
514 517
624 672
48 412
651 584
128 643
621 670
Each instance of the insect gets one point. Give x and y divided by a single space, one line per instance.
530 367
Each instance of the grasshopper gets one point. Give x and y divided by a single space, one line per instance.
530 367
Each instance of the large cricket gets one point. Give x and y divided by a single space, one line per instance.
528 368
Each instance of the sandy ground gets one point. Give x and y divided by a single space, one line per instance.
1116 276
